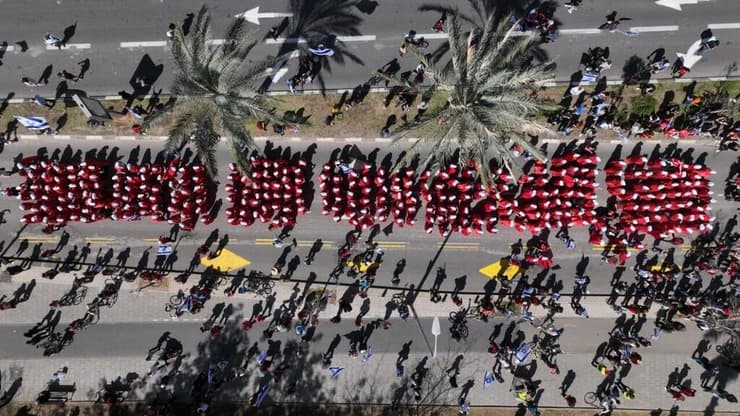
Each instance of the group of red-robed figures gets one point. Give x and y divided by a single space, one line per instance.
175 192
457 201
272 192
660 197
56 193
365 195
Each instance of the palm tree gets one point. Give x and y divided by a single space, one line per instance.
216 91
489 105
321 21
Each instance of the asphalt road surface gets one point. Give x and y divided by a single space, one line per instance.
460 256
120 37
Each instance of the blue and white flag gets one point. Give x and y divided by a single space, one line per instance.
33 123
488 379
522 353
321 50
261 357
366 356
335 371
261 394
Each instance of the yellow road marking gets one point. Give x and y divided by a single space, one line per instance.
227 261
493 270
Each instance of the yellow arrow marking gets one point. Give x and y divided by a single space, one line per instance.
226 261
500 268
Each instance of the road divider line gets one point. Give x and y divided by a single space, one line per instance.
668 28
70 46
144 44
428 36
719 26
585 31
359 38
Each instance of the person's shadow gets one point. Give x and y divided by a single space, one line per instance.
69 31
11 392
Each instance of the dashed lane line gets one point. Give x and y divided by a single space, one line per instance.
69 46
720 26
641 29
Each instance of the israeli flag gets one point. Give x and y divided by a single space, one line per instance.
33 123
164 250
321 50
488 379
522 353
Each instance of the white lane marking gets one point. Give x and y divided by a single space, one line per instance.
127 137
353 139
428 36
382 140
7 48
62 137
586 31
669 28
144 44
724 26
94 137
70 46
324 139
28 137
296 139
360 38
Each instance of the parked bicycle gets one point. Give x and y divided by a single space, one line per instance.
259 284
74 296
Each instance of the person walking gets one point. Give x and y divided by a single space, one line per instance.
67 76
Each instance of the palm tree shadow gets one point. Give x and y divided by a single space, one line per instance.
319 21
501 10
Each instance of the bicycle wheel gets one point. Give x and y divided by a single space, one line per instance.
268 283
80 296
453 316
592 399
175 300
112 299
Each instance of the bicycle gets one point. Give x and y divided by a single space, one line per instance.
175 302
260 285
593 399
459 330
399 301
75 296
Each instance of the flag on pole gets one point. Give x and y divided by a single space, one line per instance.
33 123
488 379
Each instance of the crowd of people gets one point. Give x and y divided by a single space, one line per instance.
456 201
272 192
174 192
55 193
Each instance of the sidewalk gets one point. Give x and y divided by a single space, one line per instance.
47 290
